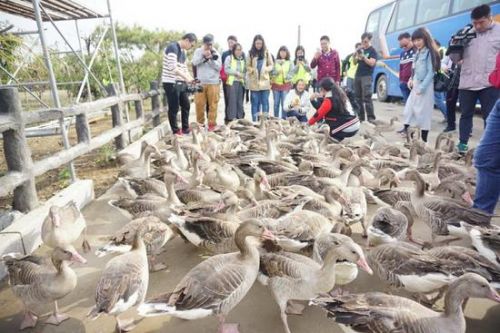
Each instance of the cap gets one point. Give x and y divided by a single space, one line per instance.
208 39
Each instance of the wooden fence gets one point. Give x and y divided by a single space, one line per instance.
22 171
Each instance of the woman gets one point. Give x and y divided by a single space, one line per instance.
332 107
281 77
259 65
297 102
235 69
301 69
418 108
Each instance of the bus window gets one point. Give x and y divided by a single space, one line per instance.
372 23
429 10
384 16
462 5
406 14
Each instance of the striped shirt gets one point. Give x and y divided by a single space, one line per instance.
173 58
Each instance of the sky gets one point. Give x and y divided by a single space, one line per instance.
343 21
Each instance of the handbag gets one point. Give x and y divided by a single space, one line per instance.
441 82
494 77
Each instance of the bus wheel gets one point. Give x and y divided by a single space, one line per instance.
381 88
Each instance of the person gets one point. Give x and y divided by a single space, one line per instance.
175 77
405 63
327 60
453 71
231 40
281 80
476 66
418 108
259 65
487 154
208 64
366 58
297 103
235 69
301 69
332 107
349 68
440 96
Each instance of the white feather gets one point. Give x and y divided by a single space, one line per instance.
161 309
425 283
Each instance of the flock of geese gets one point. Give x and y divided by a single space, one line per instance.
276 202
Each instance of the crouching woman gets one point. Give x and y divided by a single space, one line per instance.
331 107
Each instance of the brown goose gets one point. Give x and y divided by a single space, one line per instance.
141 167
293 276
387 225
217 285
123 284
36 280
154 233
376 312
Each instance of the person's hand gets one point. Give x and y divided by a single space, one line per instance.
280 61
410 84
317 55
207 54
314 95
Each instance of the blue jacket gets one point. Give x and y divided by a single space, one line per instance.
423 71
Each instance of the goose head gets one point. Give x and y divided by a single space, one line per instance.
456 189
228 199
251 232
172 176
415 176
334 194
390 176
55 216
68 253
342 248
305 166
260 178
471 285
387 225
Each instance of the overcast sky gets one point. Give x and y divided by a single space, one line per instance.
277 21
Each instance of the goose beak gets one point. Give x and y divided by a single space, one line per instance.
181 179
78 258
494 296
265 183
467 198
219 206
56 219
268 235
364 265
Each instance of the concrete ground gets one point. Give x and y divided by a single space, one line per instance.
257 313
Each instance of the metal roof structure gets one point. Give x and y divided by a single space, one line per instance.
58 10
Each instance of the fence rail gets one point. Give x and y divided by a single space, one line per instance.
20 178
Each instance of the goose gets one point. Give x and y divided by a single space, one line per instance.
293 276
387 225
432 178
140 167
376 312
155 235
486 241
36 280
382 126
63 226
124 158
216 285
144 186
123 284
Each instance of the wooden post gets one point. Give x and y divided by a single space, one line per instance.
82 128
116 116
155 104
17 152
139 113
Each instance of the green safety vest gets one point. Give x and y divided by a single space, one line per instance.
282 70
234 67
351 72
301 74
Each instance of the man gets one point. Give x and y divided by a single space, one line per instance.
405 63
231 40
366 58
327 60
477 65
208 64
349 68
175 77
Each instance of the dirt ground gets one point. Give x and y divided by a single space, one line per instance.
257 313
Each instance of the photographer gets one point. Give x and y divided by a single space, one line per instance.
301 69
175 77
208 65
349 68
327 60
478 62
366 58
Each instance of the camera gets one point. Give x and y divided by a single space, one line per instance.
300 58
190 88
214 57
459 41
359 51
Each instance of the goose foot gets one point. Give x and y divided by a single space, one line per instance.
295 308
56 318
125 325
86 246
29 320
337 292
158 267
225 327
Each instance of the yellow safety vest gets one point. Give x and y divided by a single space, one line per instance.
282 70
351 72
234 67
301 74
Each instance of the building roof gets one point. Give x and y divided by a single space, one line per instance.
59 10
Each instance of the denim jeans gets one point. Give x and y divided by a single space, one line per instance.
300 116
487 163
487 97
260 102
404 90
439 98
279 101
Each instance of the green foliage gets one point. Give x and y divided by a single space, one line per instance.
9 44
106 155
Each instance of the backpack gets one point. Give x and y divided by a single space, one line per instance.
494 77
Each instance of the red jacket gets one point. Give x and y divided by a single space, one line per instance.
328 65
495 75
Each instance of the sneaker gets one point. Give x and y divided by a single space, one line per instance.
462 148
211 128
178 132
448 130
186 131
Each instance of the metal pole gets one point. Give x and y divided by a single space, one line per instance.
115 46
83 57
12 78
52 79
298 36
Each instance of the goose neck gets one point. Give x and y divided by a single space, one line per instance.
247 247
326 278
453 301
172 195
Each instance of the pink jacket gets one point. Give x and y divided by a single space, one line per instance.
328 65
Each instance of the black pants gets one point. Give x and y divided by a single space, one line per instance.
226 101
451 107
176 98
363 92
339 136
